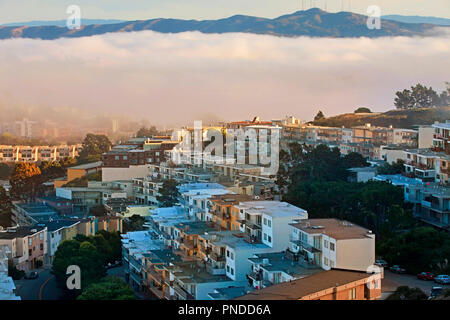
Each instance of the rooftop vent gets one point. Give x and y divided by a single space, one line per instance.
317 227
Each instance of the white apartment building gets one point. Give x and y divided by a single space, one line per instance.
331 243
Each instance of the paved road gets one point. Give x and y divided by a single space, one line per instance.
42 288
393 280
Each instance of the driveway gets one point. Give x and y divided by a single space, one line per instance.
392 281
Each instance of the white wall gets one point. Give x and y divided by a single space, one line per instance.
132 172
355 254
425 137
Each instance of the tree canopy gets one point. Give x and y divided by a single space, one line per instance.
108 288
147 132
319 116
91 254
363 110
25 181
421 96
5 208
94 145
168 193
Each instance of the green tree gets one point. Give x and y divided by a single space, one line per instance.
147 132
418 249
93 148
25 181
109 288
134 223
319 116
354 160
394 168
407 293
5 171
83 254
5 208
363 110
168 193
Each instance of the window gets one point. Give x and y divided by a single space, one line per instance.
331 246
331 263
352 294
228 253
269 223
325 261
325 244
30 241
232 271
265 236
269 238
265 221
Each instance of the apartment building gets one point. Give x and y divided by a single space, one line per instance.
132 159
28 245
268 222
77 172
57 232
37 153
441 136
422 164
332 243
328 285
7 286
268 269
26 214
431 203
223 211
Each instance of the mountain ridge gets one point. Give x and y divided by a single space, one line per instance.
313 23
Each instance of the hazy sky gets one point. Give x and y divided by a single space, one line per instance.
26 10
176 78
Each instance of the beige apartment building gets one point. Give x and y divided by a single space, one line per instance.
38 153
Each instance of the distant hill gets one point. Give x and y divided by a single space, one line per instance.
397 118
418 19
60 23
312 23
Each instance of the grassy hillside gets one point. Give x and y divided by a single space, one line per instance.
396 118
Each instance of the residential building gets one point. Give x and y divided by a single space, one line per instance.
24 214
77 172
28 245
328 285
332 243
431 203
58 231
37 153
362 174
7 286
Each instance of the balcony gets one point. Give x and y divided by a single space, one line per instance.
182 292
305 246
215 257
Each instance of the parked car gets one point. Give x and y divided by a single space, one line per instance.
381 263
31 275
426 276
397 269
443 278
435 291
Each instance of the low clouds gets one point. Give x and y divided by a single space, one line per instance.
174 78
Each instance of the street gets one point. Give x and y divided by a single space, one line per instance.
42 288
393 280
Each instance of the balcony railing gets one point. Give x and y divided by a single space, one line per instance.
182 292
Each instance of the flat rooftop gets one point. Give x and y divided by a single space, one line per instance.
297 289
337 229
20 232
88 165
273 209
